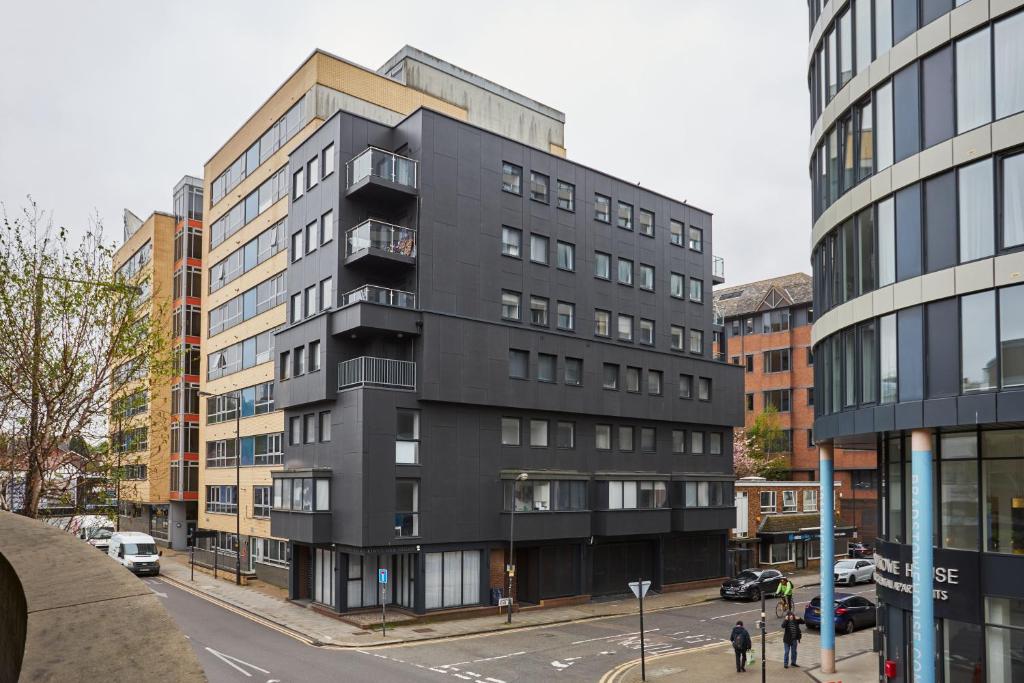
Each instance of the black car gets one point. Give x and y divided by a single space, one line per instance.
749 584
860 550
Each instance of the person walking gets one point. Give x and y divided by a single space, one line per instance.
791 636
741 644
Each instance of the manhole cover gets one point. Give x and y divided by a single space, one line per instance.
423 630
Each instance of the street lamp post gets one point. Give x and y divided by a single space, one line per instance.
511 540
237 398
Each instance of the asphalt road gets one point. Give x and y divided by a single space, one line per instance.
234 648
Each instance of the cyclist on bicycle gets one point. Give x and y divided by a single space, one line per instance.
785 591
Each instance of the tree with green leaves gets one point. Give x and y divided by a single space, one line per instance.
763 443
71 339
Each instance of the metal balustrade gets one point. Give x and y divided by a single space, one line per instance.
379 163
373 234
376 372
718 266
379 295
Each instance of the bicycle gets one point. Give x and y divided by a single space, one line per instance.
782 606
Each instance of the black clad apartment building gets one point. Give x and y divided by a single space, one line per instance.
487 310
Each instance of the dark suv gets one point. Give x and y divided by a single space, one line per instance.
749 584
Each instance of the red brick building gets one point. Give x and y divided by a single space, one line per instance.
767 329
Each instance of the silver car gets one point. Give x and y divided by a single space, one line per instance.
849 572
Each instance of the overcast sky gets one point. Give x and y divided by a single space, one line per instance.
106 105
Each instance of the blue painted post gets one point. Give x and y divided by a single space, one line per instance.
827 561
921 523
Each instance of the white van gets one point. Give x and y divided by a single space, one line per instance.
135 550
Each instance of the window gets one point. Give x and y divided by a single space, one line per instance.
603 437
654 382
299 361
631 495
977 223
625 327
261 501
311 237
295 431
539 249
566 435
298 183
697 341
883 127
286 365
610 376
696 290
309 428
510 305
676 332
1009 63
978 360
675 230
314 355
511 242
1013 196
697 442
518 364
602 208
625 438
510 431
750 401
538 187
312 171
887 359
296 246
222 499
1002 490
573 372
511 178
625 217
862 21
311 303
973 81
704 389
407 436
538 311
647 332
602 265
768 501
407 505
715 443
542 496
685 386
678 441
778 399
566 256
602 323
646 223
296 307
566 316
845 47
325 426
326 293
625 272
676 285
566 196
539 433
546 367
789 501
327 162
1011 336
632 379
749 361
695 239
648 439
776 361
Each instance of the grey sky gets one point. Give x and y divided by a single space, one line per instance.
106 105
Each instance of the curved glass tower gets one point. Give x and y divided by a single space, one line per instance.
916 161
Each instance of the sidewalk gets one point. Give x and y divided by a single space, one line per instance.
269 604
855 663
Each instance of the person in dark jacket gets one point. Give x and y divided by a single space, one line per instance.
791 635
741 644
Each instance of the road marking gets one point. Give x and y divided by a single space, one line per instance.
563 665
494 680
230 661
617 635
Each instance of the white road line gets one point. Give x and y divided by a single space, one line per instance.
230 661
465 678
494 680
617 635
491 659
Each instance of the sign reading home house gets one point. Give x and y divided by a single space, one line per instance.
954 579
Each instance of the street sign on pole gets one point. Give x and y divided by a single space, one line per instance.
382 576
640 589
382 579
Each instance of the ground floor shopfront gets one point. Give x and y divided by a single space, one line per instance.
429 578
170 524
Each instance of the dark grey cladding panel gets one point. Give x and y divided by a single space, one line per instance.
1000 575
909 415
703 519
939 412
1011 406
885 418
303 527
864 420
977 409
374 317
630 522
311 387
846 422
541 526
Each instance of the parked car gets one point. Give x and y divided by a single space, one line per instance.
860 550
850 572
749 584
136 551
97 537
850 613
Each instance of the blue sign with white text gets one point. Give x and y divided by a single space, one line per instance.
382 576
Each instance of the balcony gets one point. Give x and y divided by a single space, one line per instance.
373 294
375 243
717 270
367 371
376 173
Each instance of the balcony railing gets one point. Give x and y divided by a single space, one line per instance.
379 295
391 239
377 372
378 163
718 266
407 524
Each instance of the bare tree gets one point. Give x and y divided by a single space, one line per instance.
67 324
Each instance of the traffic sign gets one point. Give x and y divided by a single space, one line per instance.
504 602
639 588
382 576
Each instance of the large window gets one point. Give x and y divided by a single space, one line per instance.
959 491
407 436
633 495
1004 638
973 81
887 359
1009 64
407 501
1003 489
566 256
886 242
536 495
977 223
222 499
1013 197
979 368
1011 336
511 242
883 127
451 579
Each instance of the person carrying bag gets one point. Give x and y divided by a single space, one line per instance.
741 645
